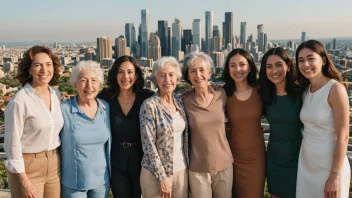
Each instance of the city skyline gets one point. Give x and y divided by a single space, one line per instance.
84 21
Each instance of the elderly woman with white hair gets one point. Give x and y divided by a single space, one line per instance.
164 133
85 136
210 170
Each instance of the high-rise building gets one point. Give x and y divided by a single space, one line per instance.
121 47
216 41
218 59
104 48
228 28
128 34
176 37
154 48
145 32
169 40
265 45
89 54
291 44
134 42
208 27
243 34
197 37
260 37
163 34
303 36
187 39
334 44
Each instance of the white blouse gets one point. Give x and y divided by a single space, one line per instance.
30 126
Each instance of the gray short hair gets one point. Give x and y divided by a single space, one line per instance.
160 64
191 57
84 65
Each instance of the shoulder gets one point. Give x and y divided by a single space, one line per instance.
66 104
144 94
57 93
104 103
103 94
338 90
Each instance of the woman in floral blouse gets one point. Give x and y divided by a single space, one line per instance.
164 136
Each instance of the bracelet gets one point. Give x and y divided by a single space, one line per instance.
335 172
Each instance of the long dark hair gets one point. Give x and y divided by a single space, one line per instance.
267 89
113 89
252 79
329 70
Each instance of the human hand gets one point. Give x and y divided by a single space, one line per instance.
27 188
166 188
332 186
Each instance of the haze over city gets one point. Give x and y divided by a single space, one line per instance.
84 21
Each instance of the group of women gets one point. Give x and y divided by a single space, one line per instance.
135 142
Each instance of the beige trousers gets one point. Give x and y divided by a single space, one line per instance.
211 185
151 186
43 170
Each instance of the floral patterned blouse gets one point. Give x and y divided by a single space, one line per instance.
158 136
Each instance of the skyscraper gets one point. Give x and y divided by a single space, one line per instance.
121 47
163 34
196 29
134 42
145 32
216 41
334 44
303 36
154 48
169 40
265 46
176 37
128 34
260 37
208 27
228 28
104 48
187 39
243 34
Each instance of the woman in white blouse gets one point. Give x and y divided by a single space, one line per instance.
33 121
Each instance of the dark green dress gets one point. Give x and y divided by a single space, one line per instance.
284 145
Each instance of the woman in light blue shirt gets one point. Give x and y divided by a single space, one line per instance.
85 147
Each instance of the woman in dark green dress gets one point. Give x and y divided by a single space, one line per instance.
282 102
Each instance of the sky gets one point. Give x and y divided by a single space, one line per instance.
85 20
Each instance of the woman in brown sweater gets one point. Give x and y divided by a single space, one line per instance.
210 171
244 111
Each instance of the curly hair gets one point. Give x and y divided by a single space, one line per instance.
113 88
252 79
25 63
267 90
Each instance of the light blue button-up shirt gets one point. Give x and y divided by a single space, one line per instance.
85 146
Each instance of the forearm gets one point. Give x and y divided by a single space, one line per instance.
340 151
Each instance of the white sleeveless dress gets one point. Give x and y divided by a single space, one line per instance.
316 154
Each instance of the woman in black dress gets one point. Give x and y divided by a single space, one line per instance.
125 95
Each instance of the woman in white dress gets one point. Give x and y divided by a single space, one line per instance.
323 167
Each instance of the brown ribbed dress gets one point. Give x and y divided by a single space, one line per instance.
247 145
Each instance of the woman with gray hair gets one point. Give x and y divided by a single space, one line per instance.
210 170
85 136
164 133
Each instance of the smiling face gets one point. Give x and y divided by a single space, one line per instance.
239 68
41 69
310 63
166 79
198 74
88 85
126 75
276 70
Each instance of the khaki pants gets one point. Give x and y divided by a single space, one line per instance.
211 185
151 186
43 170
